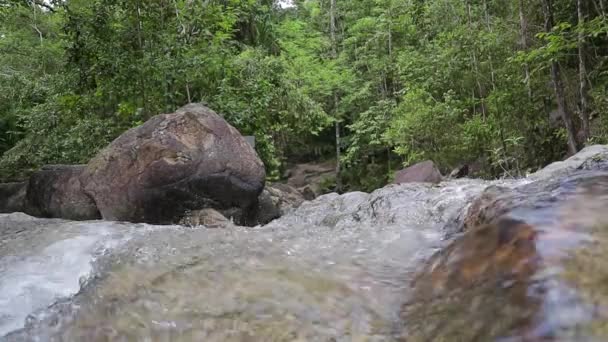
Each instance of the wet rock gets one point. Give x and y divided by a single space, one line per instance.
277 200
526 269
420 205
331 270
425 172
56 192
589 158
12 197
188 160
209 218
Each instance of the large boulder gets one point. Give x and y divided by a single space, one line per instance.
55 191
189 160
425 172
12 197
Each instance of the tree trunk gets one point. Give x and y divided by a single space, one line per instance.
140 42
523 25
334 52
185 32
558 85
503 141
338 155
476 66
582 72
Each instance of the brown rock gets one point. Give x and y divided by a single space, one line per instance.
55 191
188 160
538 246
424 172
308 193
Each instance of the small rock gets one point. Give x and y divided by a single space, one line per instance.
209 218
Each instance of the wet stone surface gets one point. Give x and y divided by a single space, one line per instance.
530 266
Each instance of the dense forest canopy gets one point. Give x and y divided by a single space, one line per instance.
505 85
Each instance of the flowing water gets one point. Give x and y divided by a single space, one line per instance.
334 270
339 268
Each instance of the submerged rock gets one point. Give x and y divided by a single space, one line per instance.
189 160
424 172
528 267
56 192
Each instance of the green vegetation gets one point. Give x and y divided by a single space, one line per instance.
506 85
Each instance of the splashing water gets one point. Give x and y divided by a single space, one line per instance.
334 269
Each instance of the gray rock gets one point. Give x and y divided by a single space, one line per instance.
584 159
411 205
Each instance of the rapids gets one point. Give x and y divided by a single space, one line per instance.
339 268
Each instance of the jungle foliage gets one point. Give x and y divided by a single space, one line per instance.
505 86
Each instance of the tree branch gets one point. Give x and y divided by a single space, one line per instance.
41 3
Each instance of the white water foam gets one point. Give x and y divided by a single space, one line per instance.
36 281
